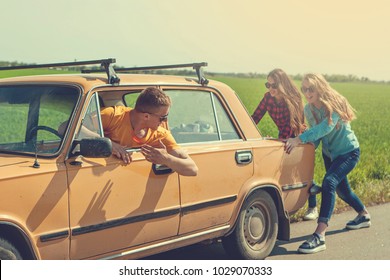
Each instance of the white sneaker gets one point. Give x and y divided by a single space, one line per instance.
311 214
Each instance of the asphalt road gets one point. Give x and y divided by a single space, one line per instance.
364 244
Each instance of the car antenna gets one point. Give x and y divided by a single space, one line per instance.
36 163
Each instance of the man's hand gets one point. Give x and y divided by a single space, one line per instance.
155 155
120 152
177 160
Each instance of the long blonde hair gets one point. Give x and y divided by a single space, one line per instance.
291 95
332 100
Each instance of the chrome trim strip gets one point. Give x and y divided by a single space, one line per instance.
199 206
215 116
119 222
164 243
124 221
294 186
54 236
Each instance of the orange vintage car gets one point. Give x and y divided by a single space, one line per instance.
66 197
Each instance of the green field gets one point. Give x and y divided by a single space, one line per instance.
371 178
30 72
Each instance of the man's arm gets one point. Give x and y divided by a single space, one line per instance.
178 160
182 163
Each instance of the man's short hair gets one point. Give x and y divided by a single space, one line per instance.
150 99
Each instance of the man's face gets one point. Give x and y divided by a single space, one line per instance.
158 117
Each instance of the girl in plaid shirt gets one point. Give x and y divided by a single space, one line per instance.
283 102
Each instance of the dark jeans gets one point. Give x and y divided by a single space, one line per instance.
312 201
335 180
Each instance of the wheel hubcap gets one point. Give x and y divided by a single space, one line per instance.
254 225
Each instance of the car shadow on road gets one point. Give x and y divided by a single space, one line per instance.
200 251
279 248
215 251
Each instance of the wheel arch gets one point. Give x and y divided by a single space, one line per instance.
18 238
283 217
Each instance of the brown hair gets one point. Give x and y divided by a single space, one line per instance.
293 98
330 98
150 99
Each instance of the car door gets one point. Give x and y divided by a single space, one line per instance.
114 207
200 122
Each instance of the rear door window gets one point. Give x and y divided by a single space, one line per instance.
195 116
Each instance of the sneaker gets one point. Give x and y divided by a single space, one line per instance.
311 214
313 245
315 189
359 222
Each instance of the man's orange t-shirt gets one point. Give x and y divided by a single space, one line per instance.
117 127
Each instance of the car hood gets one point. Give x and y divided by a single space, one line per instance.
10 161
14 166
18 165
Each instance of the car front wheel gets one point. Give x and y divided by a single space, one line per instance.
8 251
256 228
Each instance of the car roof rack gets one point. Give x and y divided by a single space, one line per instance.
197 66
105 63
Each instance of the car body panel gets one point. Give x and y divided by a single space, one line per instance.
120 206
209 199
36 200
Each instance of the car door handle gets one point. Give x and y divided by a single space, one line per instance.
160 169
244 157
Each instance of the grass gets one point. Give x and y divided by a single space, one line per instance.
370 179
30 72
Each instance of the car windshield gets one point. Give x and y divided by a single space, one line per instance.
34 118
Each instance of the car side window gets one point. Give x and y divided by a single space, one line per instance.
198 116
31 115
131 98
195 116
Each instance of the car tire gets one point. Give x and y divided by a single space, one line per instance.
256 228
8 251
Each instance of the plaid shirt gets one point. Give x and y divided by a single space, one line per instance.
277 111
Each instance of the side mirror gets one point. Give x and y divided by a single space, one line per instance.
95 147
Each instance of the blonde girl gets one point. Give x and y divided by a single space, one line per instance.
329 115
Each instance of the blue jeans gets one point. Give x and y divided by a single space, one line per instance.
312 201
313 198
335 180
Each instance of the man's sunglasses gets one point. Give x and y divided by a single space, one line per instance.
269 85
308 89
162 118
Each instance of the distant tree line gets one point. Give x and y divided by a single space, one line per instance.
335 78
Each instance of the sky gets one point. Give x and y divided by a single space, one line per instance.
348 37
